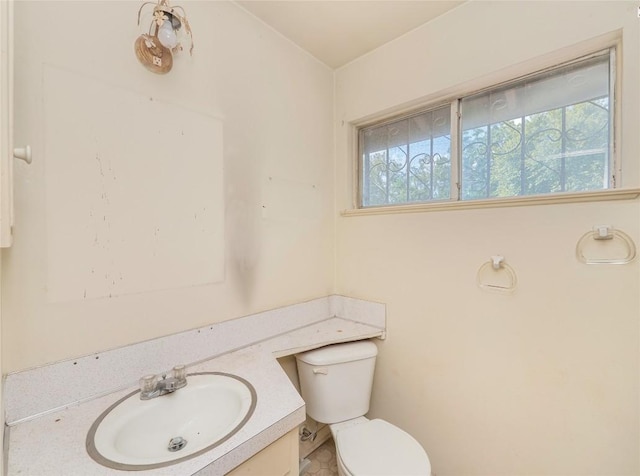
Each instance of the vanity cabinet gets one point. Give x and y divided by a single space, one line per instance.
280 458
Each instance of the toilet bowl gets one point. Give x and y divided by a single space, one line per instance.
376 447
336 382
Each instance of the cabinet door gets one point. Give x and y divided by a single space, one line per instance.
278 459
6 122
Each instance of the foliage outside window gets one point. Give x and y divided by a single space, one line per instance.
547 133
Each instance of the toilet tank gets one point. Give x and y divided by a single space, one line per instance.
335 381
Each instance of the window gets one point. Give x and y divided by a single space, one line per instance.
550 132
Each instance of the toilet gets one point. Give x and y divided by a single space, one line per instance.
335 382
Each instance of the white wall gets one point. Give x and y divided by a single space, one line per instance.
273 103
544 381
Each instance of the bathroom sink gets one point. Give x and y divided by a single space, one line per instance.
134 434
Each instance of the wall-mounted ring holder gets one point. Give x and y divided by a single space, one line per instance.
605 245
497 276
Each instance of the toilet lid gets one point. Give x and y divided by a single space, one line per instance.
379 448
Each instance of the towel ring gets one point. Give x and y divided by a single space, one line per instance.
604 234
497 276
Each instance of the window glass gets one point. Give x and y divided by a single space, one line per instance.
546 134
407 160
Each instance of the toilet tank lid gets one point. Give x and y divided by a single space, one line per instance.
339 353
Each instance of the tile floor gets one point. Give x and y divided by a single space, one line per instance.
323 461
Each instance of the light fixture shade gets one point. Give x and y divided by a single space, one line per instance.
153 56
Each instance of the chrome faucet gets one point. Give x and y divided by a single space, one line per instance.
152 386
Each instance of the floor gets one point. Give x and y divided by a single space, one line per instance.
323 461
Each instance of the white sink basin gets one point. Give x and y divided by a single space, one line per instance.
136 434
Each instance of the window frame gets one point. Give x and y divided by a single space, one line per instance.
454 100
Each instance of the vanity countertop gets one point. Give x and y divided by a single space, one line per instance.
53 444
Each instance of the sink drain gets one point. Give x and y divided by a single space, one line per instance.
176 444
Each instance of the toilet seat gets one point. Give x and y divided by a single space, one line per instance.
377 447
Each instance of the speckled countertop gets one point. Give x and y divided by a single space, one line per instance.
53 444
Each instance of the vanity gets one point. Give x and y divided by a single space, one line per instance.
47 435
279 458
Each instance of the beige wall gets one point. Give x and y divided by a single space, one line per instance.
544 381
274 102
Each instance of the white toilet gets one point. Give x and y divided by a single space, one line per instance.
336 382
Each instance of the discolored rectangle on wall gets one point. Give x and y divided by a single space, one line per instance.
134 202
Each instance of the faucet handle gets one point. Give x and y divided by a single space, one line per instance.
148 384
180 372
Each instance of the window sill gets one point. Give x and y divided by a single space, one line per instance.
551 199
